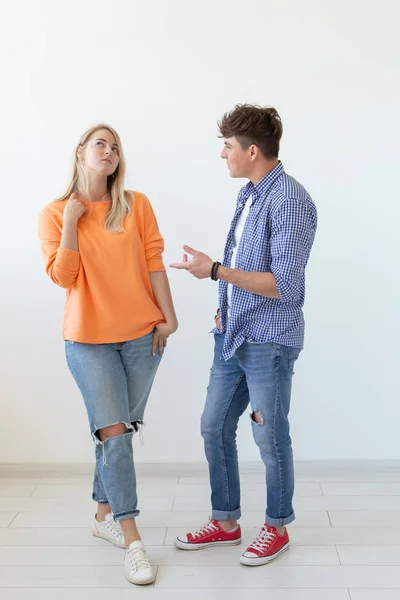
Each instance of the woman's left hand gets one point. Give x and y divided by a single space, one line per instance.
161 334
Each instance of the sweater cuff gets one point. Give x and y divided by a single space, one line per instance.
155 264
68 259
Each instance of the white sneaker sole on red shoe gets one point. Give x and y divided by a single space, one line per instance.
191 546
263 560
108 539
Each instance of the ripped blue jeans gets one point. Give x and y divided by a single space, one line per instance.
259 375
115 381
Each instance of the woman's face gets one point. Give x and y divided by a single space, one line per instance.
100 154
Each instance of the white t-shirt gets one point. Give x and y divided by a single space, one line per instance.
237 235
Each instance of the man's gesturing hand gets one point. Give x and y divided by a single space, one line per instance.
199 266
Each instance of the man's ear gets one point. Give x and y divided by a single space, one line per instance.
254 150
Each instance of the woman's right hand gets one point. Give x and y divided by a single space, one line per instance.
74 208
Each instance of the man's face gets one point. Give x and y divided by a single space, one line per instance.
238 160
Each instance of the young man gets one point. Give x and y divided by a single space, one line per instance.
259 331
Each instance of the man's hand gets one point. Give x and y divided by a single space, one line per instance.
161 334
199 266
217 319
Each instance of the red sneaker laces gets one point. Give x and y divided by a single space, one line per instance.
208 528
263 540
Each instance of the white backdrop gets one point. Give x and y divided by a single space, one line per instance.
162 72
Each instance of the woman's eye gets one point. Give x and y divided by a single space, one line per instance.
99 143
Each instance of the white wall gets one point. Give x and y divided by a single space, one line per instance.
162 72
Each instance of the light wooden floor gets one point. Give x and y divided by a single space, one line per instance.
345 541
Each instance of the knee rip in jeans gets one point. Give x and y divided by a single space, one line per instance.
102 434
257 418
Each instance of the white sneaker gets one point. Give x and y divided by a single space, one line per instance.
137 567
109 530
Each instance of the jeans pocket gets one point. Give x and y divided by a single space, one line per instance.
293 355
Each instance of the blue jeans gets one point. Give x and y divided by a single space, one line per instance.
259 374
115 381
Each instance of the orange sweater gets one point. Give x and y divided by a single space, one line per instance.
109 294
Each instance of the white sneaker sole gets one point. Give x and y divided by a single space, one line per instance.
150 579
190 546
103 537
255 562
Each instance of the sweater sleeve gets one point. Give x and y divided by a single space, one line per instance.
153 240
62 265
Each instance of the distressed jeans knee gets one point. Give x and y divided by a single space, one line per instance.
263 436
257 417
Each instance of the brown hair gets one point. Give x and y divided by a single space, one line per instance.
261 126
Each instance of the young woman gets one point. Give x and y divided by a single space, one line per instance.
103 245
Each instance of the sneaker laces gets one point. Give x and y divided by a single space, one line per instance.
138 559
209 527
114 528
263 540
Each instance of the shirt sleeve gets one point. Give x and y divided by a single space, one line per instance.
292 236
62 265
153 240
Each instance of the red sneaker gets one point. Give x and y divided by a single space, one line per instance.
267 546
211 534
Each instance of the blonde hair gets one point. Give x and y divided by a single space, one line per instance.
121 200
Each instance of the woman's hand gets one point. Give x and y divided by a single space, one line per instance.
161 334
74 209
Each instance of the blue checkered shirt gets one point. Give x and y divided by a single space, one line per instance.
277 238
